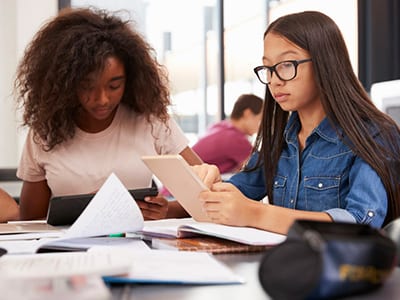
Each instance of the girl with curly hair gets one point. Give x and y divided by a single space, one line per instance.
95 100
323 152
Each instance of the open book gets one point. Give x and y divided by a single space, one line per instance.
180 228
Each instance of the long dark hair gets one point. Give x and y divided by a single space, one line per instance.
69 47
346 104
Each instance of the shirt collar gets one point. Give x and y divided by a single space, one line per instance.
325 130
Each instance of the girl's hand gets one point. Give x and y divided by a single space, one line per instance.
154 208
225 204
209 174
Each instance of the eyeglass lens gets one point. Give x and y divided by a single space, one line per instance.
285 71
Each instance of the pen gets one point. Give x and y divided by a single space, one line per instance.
117 235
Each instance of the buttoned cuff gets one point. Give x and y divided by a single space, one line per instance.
341 215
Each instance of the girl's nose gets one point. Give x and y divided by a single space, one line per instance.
102 97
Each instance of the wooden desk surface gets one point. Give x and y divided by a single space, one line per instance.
245 265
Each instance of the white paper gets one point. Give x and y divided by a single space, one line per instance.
112 210
61 288
163 266
30 236
101 242
24 230
62 264
24 246
184 227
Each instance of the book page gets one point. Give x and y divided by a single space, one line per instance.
112 210
165 227
246 235
80 287
98 242
188 227
172 267
26 227
62 264
31 235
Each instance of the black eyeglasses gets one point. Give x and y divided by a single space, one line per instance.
285 70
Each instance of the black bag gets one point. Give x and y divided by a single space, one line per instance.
327 260
392 230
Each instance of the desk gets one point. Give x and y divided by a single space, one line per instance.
245 265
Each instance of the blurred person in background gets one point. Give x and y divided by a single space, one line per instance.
227 144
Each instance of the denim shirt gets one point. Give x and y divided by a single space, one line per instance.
326 176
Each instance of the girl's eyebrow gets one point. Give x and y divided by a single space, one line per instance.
283 54
117 78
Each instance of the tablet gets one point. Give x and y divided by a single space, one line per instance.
64 210
178 177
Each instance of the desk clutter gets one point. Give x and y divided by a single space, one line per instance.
110 244
93 248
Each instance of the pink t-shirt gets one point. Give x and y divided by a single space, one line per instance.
224 146
82 164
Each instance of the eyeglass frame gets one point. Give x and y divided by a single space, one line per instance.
272 69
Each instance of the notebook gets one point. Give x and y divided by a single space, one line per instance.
187 227
205 244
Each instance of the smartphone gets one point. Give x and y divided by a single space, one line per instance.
64 210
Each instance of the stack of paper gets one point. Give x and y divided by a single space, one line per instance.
170 267
113 210
60 288
25 230
62 264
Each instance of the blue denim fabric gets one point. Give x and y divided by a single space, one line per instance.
326 176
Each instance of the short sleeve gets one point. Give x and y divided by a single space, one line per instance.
169 137
29 168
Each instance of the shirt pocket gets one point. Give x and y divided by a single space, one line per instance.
322 193
279 189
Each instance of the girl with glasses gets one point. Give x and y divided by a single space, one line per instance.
323 152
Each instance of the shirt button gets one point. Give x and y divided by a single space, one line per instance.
276 182
371 214
291 201
320 185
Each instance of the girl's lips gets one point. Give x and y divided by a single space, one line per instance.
280 97
102 112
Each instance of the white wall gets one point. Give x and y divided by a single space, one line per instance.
19 21
343 12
